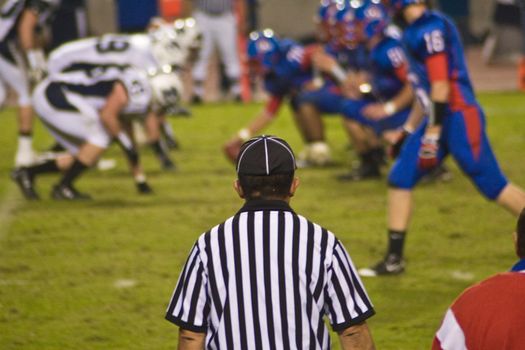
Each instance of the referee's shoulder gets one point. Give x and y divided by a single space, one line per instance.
323 231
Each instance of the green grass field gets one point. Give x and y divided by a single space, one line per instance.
99 274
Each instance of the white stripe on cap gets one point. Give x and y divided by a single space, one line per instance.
244 152
266 156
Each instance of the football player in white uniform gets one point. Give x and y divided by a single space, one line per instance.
163 47
83 113
22 62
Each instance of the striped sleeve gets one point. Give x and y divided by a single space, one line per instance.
347 302
189 306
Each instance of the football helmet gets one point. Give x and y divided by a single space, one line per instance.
371 18
345 27
188 32
165 47
398 5
263 48
167 90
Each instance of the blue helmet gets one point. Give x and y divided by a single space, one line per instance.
398 5
263 47
345 24
372 18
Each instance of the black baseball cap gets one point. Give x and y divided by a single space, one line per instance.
265 155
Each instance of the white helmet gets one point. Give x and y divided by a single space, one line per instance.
188 32
167 90
165 46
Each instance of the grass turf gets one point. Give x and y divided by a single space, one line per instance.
99 274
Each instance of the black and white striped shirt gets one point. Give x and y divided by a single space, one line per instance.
215 7
264 279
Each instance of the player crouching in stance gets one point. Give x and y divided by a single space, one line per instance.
83 116
456 126
285 67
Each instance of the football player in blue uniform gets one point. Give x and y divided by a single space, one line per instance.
285 68
455 125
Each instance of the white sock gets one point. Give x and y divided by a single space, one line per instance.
25 143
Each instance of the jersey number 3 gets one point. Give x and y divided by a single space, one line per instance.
434 41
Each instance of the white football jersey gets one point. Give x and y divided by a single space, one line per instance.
110 49
96 89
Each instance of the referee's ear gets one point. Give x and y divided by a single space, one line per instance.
238 188
294 185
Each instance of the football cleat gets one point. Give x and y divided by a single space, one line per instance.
166 163
64 192
143 188
363 172
389 266
25 183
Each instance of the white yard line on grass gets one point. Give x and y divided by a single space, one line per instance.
8 204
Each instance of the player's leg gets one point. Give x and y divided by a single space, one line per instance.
15 76
200 67
153 130
402 179
225 35
469 144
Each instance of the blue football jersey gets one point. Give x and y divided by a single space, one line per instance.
388 68
431 35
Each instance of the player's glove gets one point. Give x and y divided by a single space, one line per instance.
427 157
395 148
37 65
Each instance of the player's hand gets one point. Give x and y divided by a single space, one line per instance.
396 142
232 148
375 111
143 187
428 152
323 61
37 65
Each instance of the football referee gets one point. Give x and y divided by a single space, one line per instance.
266 277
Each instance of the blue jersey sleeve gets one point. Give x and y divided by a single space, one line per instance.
432 39
391 56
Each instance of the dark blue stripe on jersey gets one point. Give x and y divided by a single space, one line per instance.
239 281
253 280
98 89
282 279
56 97
268 279
297 283
93 69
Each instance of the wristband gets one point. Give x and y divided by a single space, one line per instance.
390 108
338 73
437 112
35 58
408 129
244 134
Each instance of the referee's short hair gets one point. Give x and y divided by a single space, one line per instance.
265 168
520 231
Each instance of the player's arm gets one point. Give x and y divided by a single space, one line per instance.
261 121
27 38
189 340
398 137
436 63
356 337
